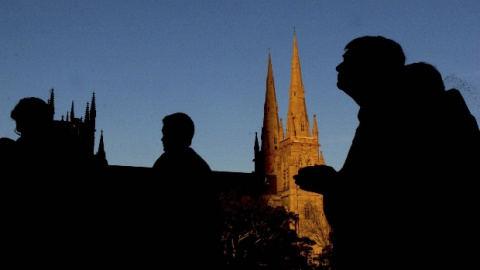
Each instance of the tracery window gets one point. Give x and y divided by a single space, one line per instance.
307 210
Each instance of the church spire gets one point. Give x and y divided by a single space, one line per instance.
72 112
321 160
258 158
315 127
93 108
101 147
297 118
270 132
87 113
100 158
51 102
91 121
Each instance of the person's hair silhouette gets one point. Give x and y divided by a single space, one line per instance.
178 130
32 116
423 80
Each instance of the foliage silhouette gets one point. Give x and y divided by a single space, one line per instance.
258 236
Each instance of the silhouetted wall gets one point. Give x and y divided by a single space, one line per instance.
140 177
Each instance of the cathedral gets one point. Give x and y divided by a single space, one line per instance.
278 155
281 154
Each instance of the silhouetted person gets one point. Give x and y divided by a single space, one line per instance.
447 147
444 123
179 160
43 148
193 200
384 205
45 217
354 198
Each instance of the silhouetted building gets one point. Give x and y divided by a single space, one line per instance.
83 128
133 177
281 155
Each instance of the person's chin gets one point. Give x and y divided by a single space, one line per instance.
340 86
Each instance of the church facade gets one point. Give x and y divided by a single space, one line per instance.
281 154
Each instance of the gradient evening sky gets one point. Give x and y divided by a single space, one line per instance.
147 59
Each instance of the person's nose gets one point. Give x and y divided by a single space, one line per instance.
339 67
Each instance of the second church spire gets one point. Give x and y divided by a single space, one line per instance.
297 118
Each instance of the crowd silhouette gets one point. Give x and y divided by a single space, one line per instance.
405 196
62 203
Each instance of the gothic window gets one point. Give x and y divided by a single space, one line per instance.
307 211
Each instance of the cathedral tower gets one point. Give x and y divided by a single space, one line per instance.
83 128
282 154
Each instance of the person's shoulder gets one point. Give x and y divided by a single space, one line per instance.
7 142
454 96
160 161
198 160
458 115
453 91
454 103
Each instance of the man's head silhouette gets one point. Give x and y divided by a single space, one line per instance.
423 80
178 130
31 115
370 65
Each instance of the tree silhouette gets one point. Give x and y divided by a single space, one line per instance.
258 236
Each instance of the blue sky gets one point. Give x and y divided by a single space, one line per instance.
147 59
